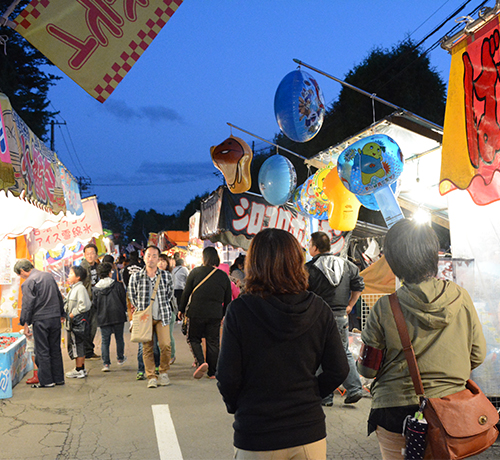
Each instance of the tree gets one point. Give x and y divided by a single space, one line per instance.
22 79
117 219
402 76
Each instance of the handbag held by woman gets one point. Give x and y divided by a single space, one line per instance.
142 320
459 425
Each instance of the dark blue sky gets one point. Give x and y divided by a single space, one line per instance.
218 61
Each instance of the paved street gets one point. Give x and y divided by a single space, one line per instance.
111 416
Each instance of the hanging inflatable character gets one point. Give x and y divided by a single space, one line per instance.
233 158
371 162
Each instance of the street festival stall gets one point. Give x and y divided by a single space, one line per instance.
36 190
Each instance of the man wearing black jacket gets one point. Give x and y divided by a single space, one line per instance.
42 307
339 283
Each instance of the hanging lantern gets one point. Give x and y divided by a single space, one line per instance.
299 106
277 180
233 158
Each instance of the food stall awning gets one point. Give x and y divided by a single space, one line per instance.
420 142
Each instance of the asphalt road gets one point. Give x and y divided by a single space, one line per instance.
112 416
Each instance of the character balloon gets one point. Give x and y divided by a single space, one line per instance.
370 166
343 207
299 106
233 158
310 203
277 180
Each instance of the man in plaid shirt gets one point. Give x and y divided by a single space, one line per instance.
140 291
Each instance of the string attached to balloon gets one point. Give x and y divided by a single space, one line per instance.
368 167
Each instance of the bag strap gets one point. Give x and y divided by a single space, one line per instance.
155 290
197 286
407 346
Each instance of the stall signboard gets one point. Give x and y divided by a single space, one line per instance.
37 178
94 42
71 192
68 230
236 218
471 139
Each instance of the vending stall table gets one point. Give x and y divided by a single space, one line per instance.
15 362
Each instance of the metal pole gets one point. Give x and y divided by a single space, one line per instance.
348 85
265 140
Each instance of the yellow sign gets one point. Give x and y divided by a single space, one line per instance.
94 42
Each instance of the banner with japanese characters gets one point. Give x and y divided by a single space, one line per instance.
235 219
37 178
68 230
94 42
471 138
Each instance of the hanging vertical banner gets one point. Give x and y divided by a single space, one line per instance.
94 42
37 178
471 140
71 191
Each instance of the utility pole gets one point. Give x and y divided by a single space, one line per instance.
52 123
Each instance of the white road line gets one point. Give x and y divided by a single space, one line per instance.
168 445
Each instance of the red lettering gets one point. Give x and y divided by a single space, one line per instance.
130 8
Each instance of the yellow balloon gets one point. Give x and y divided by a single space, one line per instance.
343 206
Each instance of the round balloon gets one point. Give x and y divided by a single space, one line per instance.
370 163
277 180
299 106
309 202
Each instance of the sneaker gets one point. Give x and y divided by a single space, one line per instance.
353 398
164 380
94 356
152 383
172 361
140 376
201 371
121 362
74 374
105 368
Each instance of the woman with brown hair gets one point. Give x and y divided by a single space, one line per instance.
275 338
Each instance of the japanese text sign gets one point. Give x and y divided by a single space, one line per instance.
94 42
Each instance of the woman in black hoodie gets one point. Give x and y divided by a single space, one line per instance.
275 338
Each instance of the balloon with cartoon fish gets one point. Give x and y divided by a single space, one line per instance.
370 166
233 158
299 106
310 203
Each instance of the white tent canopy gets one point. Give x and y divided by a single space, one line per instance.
420 142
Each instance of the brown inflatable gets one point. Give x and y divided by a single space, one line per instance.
233 158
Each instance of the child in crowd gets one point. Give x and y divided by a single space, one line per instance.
110 302
77 306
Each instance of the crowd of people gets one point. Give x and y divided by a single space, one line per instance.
284 347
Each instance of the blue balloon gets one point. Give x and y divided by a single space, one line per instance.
299 106
369 164
277 180
369 201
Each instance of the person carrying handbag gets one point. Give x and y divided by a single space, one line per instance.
443 326
141 289
204 301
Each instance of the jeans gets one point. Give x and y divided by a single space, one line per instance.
352 383
106 332
140 360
